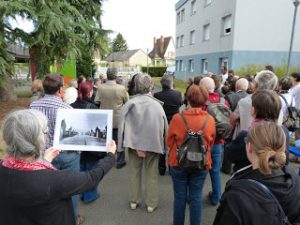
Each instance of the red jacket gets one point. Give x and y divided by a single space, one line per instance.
177 130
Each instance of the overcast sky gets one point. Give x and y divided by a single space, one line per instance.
140 20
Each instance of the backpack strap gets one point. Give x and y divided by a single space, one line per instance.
188 127
284 99
267 191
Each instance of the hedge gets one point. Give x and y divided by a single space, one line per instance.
155 71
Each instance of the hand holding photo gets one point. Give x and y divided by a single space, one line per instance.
83 130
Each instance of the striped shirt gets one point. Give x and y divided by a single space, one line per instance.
49 105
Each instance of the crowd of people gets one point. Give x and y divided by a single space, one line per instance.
150 128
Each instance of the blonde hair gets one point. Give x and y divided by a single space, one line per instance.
37 85
268 142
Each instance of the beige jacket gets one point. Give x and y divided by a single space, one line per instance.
112 96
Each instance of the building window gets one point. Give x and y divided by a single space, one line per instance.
192 37
224 62
177 42
177 65
206 32
208 2
227 25
191 65
180 65
178 18
204 66
182 15
181 40
193 7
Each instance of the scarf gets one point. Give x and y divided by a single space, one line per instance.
19 164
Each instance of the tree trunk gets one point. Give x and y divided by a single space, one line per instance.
7 89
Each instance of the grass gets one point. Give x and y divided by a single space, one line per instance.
180 85
2 147
23 92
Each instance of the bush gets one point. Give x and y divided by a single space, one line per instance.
155 71
253 69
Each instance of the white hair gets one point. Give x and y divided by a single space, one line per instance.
23 133
208 83
242 84
143 83
266 80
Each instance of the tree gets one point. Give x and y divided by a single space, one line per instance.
119 44
62 28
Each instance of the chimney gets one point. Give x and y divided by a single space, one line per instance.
154 42
161 45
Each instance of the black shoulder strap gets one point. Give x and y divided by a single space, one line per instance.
284 99
188 127
267 190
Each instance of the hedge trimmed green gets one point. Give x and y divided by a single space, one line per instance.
155 71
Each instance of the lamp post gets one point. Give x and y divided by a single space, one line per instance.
296 4
147 61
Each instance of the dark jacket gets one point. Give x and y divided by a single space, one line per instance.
234 97
87 103
237 154
43 197
249 205
172 101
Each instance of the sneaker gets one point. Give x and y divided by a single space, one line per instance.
133 205
150 209
210 199
80 219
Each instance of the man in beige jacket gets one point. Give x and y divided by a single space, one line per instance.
113 96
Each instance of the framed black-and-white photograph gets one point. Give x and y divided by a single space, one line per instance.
83 129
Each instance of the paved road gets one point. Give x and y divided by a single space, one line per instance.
112 208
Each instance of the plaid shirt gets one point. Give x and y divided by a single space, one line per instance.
49 105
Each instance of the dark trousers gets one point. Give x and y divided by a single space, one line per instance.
226 164
120 155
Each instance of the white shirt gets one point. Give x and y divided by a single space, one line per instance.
224 77
291 102
295 91
243 111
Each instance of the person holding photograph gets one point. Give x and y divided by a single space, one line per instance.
52 101
35 192
88 159
142 129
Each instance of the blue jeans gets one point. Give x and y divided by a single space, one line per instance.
187 184
92 194
215 173
69 161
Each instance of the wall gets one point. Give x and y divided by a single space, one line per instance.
140 59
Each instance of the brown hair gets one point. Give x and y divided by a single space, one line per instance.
197 95
52 83
268 142
217 80
267 105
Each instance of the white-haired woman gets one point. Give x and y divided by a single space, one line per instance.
142 129
32 191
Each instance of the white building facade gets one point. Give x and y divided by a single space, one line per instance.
233 33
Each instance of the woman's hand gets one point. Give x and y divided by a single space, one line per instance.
50 154
112 147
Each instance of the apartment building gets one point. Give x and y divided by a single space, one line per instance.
233 33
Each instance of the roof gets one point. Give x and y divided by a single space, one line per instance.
18 51
156 53
121 56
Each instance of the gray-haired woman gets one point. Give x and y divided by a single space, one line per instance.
33 191
142 129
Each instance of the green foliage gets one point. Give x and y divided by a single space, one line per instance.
155 71
62 29
85 65
252 69
119 44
